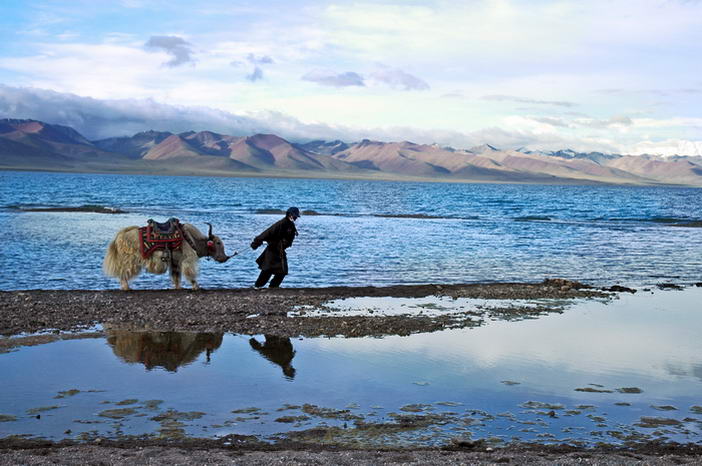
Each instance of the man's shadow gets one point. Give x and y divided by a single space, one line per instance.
278 350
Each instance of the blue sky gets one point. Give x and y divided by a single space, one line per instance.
617 75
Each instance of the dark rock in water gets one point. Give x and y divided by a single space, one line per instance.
669 286
698 284
270 211
664 408
620 289
592 390
465 445
697 224
424 216
652 422
564 284
629 390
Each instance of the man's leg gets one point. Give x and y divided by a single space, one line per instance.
277 280
262 278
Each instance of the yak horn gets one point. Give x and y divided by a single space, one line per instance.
209 233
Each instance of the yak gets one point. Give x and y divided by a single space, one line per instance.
124 258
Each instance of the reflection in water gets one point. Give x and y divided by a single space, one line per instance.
278 350
620 371
168 350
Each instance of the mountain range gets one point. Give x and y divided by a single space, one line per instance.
35 145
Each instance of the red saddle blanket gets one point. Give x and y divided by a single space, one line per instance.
153 239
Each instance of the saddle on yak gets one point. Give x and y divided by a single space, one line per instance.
154 236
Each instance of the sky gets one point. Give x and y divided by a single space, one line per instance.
622 76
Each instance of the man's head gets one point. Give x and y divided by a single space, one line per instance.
293 213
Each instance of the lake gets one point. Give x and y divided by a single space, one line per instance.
366 233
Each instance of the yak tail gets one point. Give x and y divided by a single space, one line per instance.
123 259
111 264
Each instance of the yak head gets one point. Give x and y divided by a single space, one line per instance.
215 247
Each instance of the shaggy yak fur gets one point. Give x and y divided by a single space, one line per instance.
123 259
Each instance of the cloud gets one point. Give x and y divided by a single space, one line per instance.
328 78
522 100
262 60
175 46
552 121
667 147
398 79
649 92
97 119
615 121
255 75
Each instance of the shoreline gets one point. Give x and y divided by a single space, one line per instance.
240 450
35 317
256 311
384 177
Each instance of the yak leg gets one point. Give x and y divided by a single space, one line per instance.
124 284
190 272
175 275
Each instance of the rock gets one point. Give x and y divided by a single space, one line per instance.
669 286
620 289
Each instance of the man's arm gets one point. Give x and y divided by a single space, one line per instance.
271 234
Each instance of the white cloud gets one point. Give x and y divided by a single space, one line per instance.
524 100
330 78
398 79
667 147
262 60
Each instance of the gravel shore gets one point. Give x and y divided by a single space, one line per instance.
188 454
256 311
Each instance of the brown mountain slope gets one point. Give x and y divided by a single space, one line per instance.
52 144
395 157
581 169
133 146
668 171
173 146
210 143
32 144
47 132
267 151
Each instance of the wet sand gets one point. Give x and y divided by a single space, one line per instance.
256 311
37 317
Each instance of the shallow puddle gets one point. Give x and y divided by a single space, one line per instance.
626 370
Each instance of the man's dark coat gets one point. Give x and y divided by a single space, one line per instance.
279 237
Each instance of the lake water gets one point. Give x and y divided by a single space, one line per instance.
474 233
629 369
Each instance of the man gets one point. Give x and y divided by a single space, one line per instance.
279 237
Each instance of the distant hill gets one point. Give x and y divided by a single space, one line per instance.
134 147
35 145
